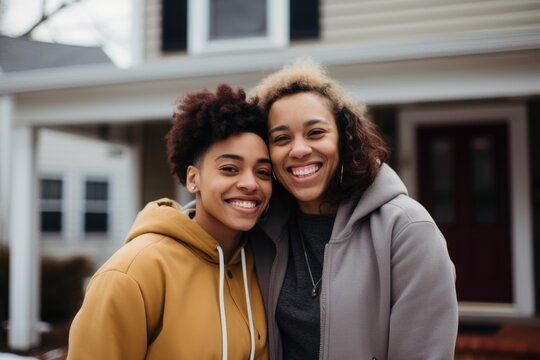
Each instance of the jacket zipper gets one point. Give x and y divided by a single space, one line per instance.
323 305
275 294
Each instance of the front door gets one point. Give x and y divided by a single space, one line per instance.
463 174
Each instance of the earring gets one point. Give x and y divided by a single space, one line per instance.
341 176
192 187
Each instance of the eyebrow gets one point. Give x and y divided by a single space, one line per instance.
306 124
240 158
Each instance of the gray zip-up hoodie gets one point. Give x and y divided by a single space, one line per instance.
388 286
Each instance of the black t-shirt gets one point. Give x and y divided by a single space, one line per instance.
298 312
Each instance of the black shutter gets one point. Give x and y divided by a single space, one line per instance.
304 19
533 110
174 25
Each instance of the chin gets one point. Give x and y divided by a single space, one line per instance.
244 225
307 196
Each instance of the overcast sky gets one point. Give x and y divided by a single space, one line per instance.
105 23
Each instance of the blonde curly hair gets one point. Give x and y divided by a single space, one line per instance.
304 74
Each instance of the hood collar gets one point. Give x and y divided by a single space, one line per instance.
166 217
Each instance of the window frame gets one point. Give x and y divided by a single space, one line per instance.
53 236
89 236
199 42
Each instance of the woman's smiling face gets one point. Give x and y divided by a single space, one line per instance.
233 184
304 147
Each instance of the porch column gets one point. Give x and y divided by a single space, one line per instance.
24 294
6 115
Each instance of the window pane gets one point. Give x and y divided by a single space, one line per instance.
96 222
51 189
484 197
97 190
442 157
51 221
50 206
230 19
96 215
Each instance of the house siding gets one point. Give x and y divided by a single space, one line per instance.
393 20
152 32
376 21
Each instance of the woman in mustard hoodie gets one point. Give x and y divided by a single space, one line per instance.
183 285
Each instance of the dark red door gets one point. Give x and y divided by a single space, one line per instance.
463 174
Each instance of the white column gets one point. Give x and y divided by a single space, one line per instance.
6 116
24 266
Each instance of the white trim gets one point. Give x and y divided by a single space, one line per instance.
520 198
199 41
329 54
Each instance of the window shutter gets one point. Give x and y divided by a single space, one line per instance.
304 19
174 26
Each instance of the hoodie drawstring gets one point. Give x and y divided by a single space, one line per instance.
222 315
222 304
248 302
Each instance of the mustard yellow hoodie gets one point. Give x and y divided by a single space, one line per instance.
158 297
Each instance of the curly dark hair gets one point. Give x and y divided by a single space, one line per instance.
362 148
202 118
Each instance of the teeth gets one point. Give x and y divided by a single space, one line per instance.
243 204
305 171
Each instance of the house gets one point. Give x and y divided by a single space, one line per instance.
454 86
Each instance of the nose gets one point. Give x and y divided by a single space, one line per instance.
248 182
300 149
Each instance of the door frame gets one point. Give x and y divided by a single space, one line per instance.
410 117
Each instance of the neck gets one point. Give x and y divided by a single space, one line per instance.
229 246
317 208
228 239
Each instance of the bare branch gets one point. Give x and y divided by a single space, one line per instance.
45 17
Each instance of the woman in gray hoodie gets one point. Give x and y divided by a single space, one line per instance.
350 267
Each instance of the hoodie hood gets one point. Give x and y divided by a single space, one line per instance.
386 186
165 217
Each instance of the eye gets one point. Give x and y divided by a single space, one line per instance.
280 139
264 174
229 170
316 133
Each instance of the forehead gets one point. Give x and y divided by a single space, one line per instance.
249 146
300 107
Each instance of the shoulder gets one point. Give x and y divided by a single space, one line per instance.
404 213
410 209
139 254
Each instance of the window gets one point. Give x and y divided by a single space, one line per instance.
229 25
96 214
225 25
51 196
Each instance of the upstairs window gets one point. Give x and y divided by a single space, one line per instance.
51 197
228 25
231 25
96 214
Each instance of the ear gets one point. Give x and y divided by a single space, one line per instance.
192 179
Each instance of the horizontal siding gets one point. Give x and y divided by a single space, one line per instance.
152 29
368 20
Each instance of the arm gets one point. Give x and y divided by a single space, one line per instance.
424 315
111 323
